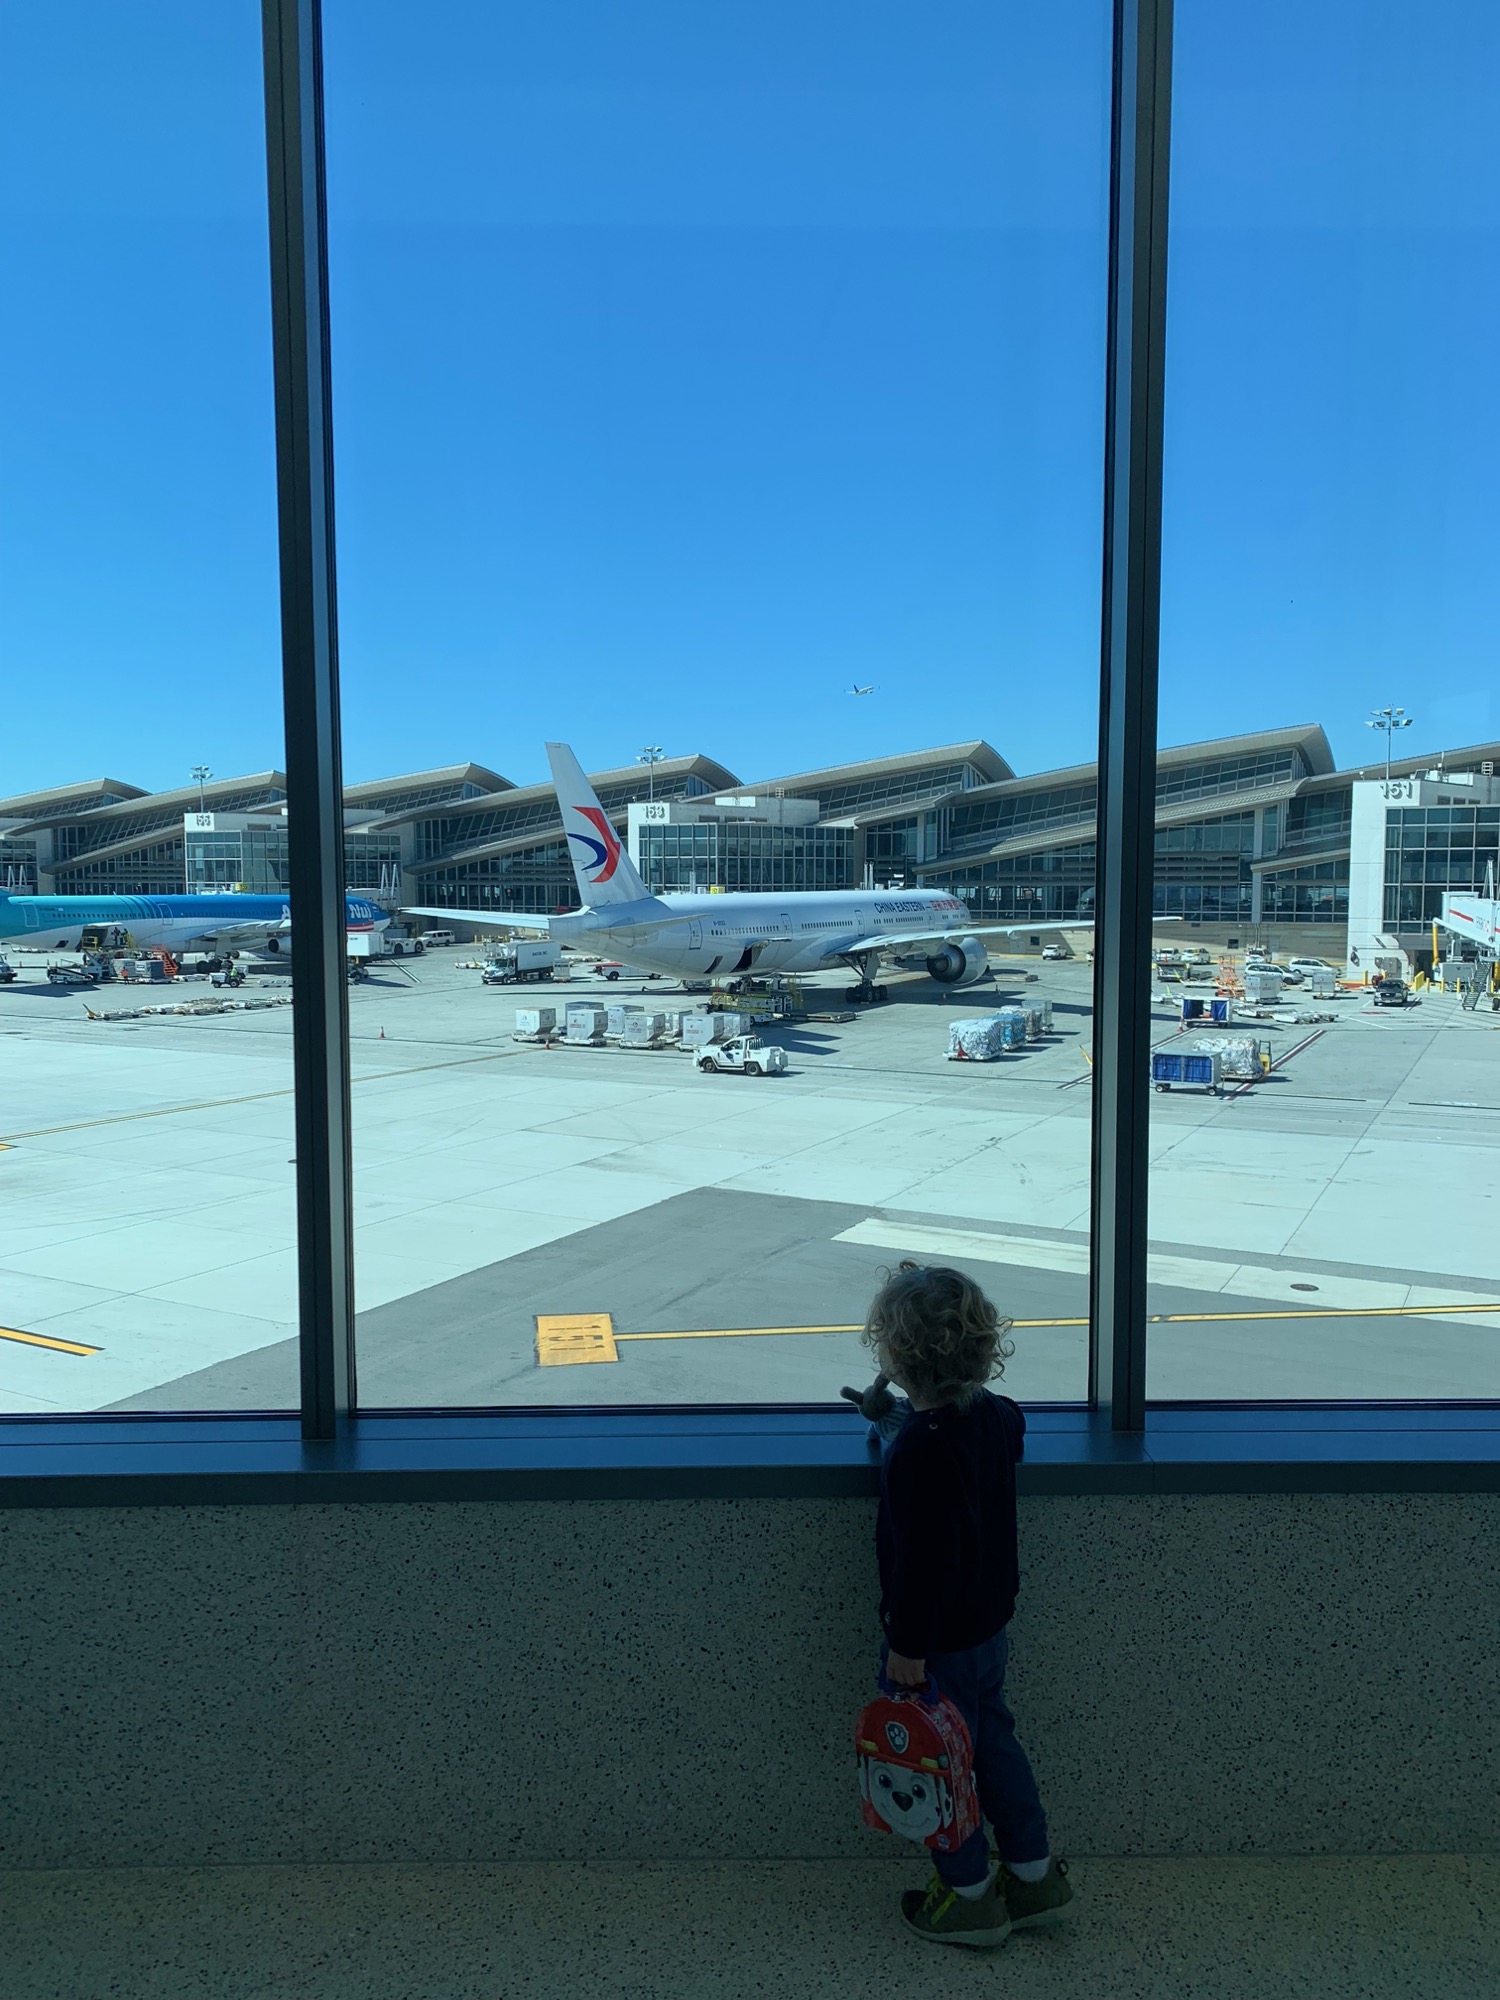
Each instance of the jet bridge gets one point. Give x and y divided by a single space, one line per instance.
1476 919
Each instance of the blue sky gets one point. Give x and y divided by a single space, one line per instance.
693 362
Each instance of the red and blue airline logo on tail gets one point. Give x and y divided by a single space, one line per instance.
605 850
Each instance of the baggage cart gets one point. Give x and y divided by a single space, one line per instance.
1185 1069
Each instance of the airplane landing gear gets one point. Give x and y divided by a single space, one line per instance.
864 993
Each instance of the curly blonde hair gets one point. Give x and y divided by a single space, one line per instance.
933 1330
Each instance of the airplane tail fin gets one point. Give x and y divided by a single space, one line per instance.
602 869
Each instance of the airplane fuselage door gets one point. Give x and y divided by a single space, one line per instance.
695 935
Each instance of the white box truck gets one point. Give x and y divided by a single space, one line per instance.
525 959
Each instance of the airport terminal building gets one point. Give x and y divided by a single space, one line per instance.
1259 839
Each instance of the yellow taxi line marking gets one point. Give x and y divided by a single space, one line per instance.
738 1332
45 1340
1154 1319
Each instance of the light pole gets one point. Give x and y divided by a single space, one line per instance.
202 773
651 756
1387 721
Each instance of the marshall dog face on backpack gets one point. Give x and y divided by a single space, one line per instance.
914 1775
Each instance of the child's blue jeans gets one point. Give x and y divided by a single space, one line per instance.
974 1681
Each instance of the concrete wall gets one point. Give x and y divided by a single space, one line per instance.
1208 1674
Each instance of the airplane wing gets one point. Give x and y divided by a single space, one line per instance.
240 932
910 940
521 920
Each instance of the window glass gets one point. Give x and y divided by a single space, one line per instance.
1323 1226
719 395
147 1209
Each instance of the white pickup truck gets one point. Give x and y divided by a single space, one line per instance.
746 1055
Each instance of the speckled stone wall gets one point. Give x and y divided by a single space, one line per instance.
1193 1675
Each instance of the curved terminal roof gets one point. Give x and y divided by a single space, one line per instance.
451 777
509 797
86 796
983 756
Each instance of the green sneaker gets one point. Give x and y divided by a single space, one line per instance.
1041 1902
941 1915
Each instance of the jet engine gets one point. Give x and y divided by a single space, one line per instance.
959 963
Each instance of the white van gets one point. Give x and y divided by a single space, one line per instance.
431 938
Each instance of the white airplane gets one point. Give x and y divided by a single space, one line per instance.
58 923
696 936
861 690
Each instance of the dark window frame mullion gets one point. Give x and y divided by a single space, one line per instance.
1135 351
297 208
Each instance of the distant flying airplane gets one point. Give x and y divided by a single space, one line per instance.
59 923
690 936
861 690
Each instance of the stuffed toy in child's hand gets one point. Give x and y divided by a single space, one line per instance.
872 1403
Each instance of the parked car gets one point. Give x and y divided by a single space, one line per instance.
7 972
1054 951
1392 993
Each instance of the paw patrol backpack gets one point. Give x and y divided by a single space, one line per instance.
916 1767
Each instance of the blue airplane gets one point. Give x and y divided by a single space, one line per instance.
63 923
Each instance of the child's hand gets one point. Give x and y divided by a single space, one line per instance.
904 1672
872 1403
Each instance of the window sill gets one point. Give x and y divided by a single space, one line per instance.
115 1461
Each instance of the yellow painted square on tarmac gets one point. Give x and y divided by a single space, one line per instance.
567 1340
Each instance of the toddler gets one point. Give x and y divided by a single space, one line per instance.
946 1543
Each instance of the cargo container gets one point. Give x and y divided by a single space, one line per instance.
536 1020
1200 1011
1184 1068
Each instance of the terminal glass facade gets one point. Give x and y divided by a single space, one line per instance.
537 879
743 854
1316 893
1434 850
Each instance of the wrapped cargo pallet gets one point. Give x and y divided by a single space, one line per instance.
1241 1057
1012 1026
1033 1018
976 1041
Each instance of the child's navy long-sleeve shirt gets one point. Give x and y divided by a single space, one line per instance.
946 1532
